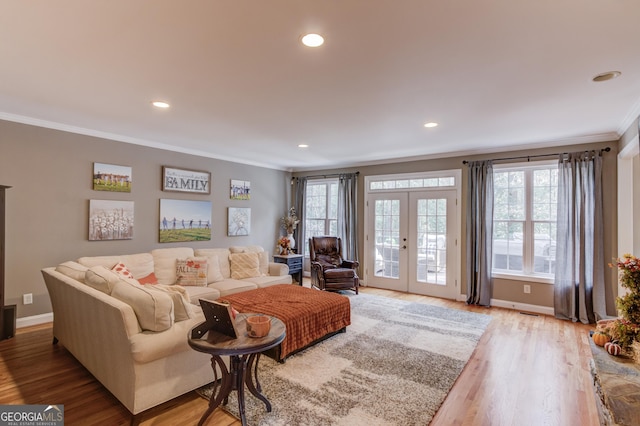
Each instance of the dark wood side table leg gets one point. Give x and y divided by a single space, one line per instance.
252 382
220 391
238 369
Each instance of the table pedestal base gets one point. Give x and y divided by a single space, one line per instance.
243 372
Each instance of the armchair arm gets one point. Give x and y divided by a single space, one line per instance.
317 275
353 264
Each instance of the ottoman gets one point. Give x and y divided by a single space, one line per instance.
309 315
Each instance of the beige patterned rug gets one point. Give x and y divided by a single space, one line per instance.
394 366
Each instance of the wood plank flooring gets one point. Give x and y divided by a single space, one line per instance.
526 370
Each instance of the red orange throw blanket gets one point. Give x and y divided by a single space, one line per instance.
308 314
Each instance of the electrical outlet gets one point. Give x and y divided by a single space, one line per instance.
527 288
27 299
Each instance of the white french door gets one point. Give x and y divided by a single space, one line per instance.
411 241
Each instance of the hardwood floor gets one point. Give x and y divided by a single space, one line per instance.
526 370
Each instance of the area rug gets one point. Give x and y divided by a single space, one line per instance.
394 366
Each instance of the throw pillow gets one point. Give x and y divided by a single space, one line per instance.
191 271
122 270
263 256
73 270
154 309
101 278
149 279
182 309
213 272
244 265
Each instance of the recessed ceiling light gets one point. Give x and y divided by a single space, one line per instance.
312 40
160 104
303 145
430 124
609 75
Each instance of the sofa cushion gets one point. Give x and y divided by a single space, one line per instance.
153 308
191 271
164 261
244 265
223 259
269 280
140 264
230 286
197 293
73 270
101 278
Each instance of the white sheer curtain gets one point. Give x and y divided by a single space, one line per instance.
579 279
479 232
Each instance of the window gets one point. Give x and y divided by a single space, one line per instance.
321 209
524 220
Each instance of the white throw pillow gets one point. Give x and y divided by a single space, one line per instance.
154 309
263 256
101 278
244 265
191 271
73 270
182 309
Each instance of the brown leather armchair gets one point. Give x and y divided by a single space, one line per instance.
329 271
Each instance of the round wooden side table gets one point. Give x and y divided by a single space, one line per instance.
244 353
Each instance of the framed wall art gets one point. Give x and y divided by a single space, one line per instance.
183 180
110 220
111 177
185 220
239 221
240 190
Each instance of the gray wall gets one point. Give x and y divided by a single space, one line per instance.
50 173
508 290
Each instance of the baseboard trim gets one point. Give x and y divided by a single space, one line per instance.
34 320
516 306
524 307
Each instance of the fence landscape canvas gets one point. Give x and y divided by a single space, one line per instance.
184 220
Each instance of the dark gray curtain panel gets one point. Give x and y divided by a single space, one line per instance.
300 190
479 232
348 214
579 290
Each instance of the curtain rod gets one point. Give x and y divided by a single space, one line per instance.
329 175
529 157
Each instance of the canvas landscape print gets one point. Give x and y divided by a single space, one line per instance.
184 220
111 177
110 220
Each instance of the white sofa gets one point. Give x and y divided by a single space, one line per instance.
133 337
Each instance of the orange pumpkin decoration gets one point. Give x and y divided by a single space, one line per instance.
600 338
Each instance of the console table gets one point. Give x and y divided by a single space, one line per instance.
294 262
244 353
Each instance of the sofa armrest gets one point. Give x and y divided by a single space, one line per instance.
278 269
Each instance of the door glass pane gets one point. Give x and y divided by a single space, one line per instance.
387 235
431 228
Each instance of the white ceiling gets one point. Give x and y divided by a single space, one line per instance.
496 75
